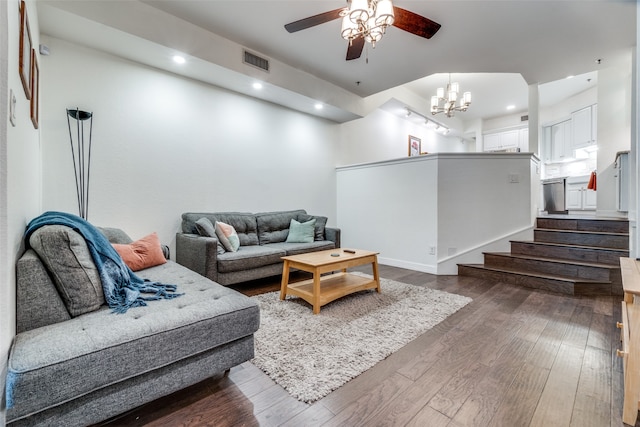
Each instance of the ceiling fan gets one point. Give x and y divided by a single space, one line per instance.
367 20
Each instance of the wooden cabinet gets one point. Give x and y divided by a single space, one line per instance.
584 127
578 196
630 337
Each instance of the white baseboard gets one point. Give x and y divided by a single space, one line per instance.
424 268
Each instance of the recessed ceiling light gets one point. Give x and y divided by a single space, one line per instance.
319 106
570 77
257 85
511 107
179 59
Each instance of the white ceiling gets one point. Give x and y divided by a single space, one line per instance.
494 49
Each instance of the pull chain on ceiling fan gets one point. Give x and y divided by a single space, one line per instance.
368 20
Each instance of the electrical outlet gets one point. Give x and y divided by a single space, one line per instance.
432 250
514 178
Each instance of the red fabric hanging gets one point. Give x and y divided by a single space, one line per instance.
592 182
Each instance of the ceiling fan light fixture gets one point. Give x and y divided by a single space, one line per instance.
367 21
384 13
349 29
374 33
359 11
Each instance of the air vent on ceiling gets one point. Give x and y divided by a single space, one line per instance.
255 60
524 118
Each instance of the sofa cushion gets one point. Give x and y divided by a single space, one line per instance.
248 257
207 229
244 224
141 254
115 235
273 227
301 248
227 236
301 232
65 254
321 223
56 363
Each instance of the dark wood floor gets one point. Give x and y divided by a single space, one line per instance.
513 357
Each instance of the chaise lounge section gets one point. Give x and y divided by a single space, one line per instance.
263 242
70 369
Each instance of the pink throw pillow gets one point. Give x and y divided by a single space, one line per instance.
143 253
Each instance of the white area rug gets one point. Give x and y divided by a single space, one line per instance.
311 355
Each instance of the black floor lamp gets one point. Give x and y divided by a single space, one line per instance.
81 155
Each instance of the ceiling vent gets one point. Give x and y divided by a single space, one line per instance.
524 118
255 60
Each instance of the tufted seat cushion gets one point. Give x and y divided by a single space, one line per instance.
53 364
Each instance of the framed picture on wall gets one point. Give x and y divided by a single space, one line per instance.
414 146
35 89
24 65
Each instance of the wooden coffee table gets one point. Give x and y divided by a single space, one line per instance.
324 288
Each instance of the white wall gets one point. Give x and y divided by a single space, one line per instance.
164 145
428 213
383 136
19 168
562 110
614 129
392 207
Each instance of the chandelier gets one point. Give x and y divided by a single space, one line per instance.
449 99
368 19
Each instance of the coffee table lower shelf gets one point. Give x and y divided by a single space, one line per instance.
332 287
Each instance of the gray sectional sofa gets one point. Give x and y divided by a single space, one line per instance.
262 244
76 371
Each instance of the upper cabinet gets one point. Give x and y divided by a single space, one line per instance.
562 139
511 140
583 125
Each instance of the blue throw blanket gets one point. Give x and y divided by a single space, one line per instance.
122 287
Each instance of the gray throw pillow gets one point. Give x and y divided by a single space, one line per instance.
65 254
207 229
301 232
321 223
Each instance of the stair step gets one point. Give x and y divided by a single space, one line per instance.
582 238
569 254
548 282
610 256
555 266
614 225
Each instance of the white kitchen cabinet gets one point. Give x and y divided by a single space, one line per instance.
561 149
505 140
491 141
546 144
584 127
578 197
621 171
523 139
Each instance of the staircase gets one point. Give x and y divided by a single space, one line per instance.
569 255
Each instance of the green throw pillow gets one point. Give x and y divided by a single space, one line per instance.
301 232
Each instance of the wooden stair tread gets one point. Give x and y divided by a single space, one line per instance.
557 260
562 230
570 246
568 279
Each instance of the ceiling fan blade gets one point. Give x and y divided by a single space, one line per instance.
355 48
414 23
314 20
